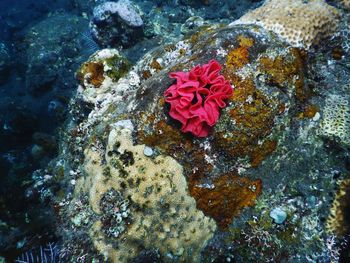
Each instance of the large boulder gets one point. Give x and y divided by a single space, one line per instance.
116 23
141 185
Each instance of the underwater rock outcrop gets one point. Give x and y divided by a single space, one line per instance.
136 185
116 23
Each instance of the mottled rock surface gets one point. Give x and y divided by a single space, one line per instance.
116 23
263 153
270 183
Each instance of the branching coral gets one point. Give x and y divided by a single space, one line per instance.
197 96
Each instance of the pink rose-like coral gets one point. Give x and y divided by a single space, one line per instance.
197 96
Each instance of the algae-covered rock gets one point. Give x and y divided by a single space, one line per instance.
190 194
96 76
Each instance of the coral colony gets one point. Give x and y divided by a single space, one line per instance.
197 96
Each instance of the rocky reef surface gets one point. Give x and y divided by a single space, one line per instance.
270 182
42 45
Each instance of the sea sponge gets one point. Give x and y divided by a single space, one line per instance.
336 119
300 23
197 96
159 212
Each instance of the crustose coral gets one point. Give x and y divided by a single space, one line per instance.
197 96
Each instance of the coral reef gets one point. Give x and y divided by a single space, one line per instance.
135 188
42 46
300 23
141 173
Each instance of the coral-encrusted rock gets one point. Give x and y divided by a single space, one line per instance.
96 76
264 150
116 23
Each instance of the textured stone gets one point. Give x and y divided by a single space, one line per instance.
116 23
262 153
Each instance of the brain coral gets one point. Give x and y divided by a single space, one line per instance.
197 96
159 212
300 23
